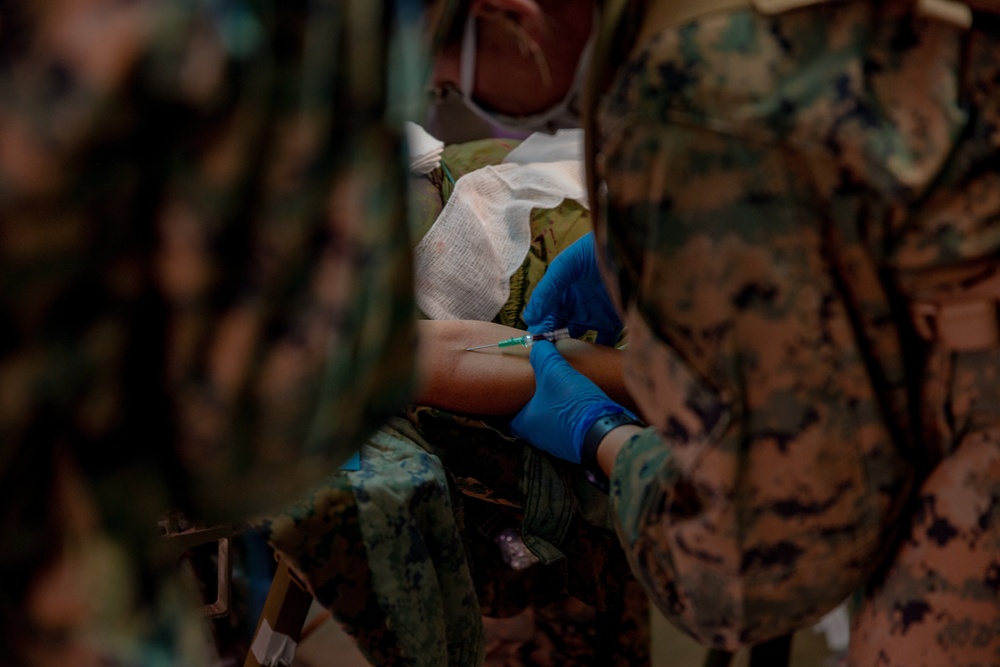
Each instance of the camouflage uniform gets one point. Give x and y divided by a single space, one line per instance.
204 258
411 549
781 189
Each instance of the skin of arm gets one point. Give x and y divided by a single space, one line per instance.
499 382
612 443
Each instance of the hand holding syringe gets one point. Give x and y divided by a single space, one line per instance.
526 340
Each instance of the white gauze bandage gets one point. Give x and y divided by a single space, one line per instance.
465 261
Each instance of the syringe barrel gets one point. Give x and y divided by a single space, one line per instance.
552 336
555 335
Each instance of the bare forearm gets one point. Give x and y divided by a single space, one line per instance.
491 382
613 442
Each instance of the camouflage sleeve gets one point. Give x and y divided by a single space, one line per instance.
750 494
206 275
735 142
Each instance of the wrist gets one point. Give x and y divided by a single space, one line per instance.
593 438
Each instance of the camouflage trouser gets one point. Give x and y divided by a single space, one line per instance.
380 548
406 553
574 600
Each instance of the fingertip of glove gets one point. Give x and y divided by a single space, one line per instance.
541 352
536 325
576 330
515 425
607 338
537 316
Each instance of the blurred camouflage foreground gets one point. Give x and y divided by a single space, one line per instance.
205 277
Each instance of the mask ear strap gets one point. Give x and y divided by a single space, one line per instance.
467 61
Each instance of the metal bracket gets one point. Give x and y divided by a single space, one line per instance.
182 539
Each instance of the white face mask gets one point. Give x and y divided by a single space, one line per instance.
563 114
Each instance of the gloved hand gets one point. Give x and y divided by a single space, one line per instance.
571 294
565 405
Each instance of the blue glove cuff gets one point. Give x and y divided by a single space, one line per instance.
587 418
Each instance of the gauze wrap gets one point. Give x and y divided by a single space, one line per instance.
465 261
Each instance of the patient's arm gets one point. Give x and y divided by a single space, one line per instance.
494 382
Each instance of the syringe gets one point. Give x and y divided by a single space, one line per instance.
526 340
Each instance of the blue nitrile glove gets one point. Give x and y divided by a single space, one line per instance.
571 294
565 405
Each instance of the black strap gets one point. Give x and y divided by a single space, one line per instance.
593 437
